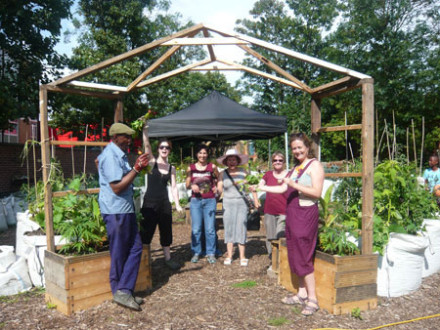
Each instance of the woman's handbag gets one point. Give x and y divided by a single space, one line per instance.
253 217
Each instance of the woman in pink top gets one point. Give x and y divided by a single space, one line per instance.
275 204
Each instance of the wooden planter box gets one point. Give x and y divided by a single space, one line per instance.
342 283
80 282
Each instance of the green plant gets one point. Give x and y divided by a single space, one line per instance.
356 313
51 305
244 284
333 236
278 321
400 203
76 216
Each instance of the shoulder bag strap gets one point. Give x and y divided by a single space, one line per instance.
248 202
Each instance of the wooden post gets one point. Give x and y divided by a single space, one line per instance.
367 165
45 160
119 112
316 125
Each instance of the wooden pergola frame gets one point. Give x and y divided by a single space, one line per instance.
349 80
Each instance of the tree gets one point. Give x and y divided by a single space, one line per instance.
29 31
297 25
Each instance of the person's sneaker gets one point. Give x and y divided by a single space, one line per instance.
138 300
211 259
171 264
126 300
195 259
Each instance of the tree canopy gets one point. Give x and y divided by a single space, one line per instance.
29 30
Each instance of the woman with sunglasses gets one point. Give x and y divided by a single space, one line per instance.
303 188
156 208
201 178
275 204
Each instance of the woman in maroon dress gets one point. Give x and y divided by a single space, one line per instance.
303 187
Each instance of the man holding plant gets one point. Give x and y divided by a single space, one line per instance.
117 209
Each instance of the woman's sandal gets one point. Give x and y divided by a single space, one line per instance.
294 300
227 261
309 310
244 262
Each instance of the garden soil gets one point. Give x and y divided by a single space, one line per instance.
203 296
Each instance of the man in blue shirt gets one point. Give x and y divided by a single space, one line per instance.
117 209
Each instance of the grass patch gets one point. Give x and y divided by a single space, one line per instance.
34 292
244 284
278 321
51 305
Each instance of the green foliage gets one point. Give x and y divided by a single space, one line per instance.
356 313
75 216
278 321
244 284
50 305
400 203
333 235
29 30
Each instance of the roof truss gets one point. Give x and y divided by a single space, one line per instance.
187 37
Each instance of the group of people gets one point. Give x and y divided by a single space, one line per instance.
291 209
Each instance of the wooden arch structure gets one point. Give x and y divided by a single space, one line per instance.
202 35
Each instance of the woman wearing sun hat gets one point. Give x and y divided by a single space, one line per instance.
235 213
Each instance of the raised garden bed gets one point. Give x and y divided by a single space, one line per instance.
342 283
75 283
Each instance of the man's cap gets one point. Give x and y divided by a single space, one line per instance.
119 128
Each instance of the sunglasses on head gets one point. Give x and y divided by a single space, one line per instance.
277 160
164 147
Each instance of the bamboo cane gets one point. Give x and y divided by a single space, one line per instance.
378 147
394 148
414 142
388 141
422 145
85 152
73 158
407 145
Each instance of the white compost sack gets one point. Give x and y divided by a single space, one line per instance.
181 189
431 263
400 268
36 245
24 225
7 204
15 279
7 257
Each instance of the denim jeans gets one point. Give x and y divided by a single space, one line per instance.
203 215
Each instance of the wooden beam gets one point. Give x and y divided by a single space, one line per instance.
81 92
340 128
296 55
45 162
367 166
79 143
343 175
275 67
80 192
119 111
262 74
172 73
85 84
342 89
153 67
315 113
334 84
210 48
135 52
204 41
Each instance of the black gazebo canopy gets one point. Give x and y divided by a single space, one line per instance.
216 117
